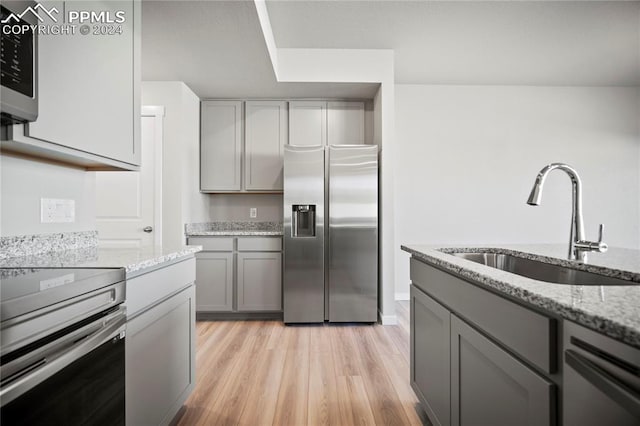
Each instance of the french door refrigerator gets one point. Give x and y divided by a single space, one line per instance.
330 234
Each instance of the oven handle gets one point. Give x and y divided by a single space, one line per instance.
114 328
604 381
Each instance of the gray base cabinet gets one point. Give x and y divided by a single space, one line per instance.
259 281
490 387
465 371
214 282
238 274
430 356
160 344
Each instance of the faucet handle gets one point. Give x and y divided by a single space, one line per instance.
602 246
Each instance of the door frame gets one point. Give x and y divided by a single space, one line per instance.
156 112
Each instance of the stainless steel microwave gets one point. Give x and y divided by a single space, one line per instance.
19 65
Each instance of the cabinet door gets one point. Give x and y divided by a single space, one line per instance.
265 138
430 355
220 145
89 86
345 123
307 123
214 282
259 281
160 360
491 387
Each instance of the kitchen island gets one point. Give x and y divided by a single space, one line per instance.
489 345
160 312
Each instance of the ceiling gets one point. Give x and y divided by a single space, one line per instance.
565 43
218 49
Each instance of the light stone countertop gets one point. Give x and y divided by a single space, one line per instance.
233 229
611 310
236 233
135 261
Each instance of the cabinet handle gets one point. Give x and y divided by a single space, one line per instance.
607 383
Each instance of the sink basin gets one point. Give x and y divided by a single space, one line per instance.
541 271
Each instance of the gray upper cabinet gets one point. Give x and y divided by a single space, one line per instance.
214 281
318 123
221 146
89 108
308 123
430 356
228 147
259 281
266 136
491 387
345 123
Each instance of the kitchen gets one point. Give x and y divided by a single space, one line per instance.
466 102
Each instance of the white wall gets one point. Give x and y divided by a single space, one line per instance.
182 201
467 157
24 182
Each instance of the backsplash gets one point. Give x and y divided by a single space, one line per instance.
28 245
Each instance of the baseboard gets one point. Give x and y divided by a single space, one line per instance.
238 316
387 319
402 296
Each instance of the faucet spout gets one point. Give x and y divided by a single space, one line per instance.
576 235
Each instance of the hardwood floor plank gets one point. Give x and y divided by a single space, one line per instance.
262 396
294 389
383 398
323 398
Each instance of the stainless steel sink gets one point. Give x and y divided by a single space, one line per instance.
541 271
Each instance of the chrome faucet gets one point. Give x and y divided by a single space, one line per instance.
578 246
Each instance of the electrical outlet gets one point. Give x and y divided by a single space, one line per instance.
57 211
253 212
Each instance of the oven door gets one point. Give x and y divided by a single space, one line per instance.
78 378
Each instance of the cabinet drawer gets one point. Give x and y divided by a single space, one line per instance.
145 290
259 244
213 243
529 334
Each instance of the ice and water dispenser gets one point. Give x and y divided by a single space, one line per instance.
303 220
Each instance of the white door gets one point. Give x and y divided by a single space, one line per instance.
129 204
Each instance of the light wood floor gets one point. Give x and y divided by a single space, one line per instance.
266 373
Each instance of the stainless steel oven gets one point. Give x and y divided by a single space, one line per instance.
62 357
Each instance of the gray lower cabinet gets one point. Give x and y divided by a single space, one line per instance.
160 344
214 282
460 374
259 281
238 274
491 387
430 356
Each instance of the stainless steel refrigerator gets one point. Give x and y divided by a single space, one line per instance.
331 234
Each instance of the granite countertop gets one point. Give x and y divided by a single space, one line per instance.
611 310
135 261
233 229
